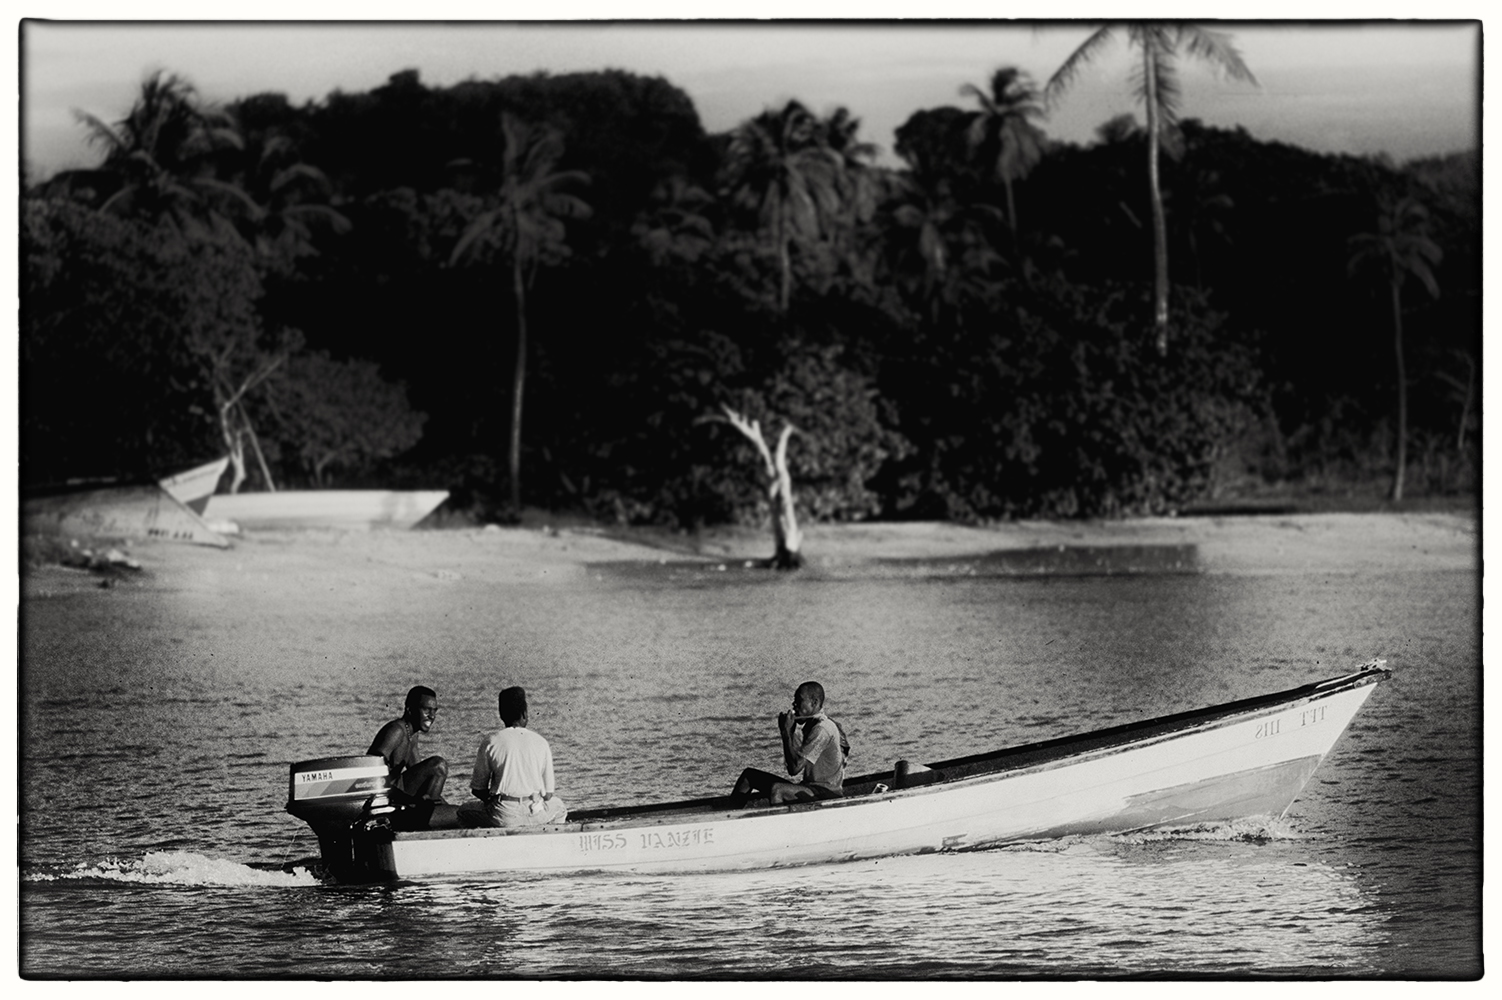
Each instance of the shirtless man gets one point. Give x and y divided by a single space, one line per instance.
513 776
813 748
419 783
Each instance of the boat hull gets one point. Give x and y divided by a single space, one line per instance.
1247 759
349 510
144 511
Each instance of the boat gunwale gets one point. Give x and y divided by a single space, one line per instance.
197 472
1010 761
1062 747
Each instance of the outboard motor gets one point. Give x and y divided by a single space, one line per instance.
341 797
341 790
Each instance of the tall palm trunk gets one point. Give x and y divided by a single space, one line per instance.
1160 43
1160 233
1397 326
518 383
1465 409
527 223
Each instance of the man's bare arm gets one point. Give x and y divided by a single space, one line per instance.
386 742
788 726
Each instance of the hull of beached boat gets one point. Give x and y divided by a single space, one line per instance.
1245 759
350 510
144 511
193 487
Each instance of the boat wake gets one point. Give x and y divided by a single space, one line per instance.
1255 829
179 868
1252 830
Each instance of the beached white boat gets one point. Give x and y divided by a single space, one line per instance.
193 487
138 511
1243 759
351 510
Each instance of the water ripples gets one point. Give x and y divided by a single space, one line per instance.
153 831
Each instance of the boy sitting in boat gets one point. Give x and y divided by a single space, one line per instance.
814 750
513 776
418 784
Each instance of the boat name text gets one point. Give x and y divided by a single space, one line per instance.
692 837
654 840
601 842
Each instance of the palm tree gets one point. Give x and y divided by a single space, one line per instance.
295 195
840 134
163 155
860 188
778 167
1157 87
526 227
162 160
1004 124
922 231
938 245
1399 248
1463 389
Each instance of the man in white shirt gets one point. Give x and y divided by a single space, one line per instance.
513 776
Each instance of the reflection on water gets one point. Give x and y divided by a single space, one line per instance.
169 720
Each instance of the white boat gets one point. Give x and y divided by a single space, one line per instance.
351 510
193 488
1243 759
144 511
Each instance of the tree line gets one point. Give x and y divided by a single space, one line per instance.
549 290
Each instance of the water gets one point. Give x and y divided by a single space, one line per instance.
158 720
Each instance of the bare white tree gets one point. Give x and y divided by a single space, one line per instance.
785 533
234 423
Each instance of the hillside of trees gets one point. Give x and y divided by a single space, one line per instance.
542 290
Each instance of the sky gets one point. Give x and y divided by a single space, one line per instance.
1405 89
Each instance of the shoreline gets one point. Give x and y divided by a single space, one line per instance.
1336 543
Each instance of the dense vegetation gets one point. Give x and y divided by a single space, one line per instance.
542 289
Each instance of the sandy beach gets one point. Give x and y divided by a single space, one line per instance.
1336 543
